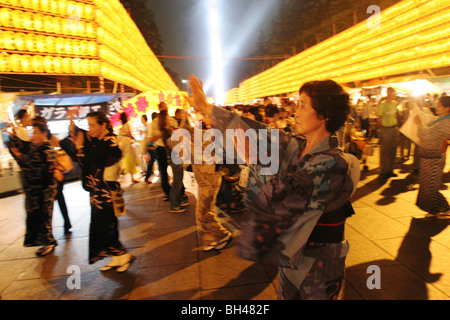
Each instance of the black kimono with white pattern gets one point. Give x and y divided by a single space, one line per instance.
93 158
37 164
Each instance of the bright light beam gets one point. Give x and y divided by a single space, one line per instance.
216 50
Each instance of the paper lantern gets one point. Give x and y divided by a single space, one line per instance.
50 44
90 30
45 5
76 65
94 66
62 7
38 22
83 47
26 63
76 47
17 19
89 12
30 42
60 45
19 41
35 4
8 40
93 48
26 3
85 66
4 62
68 49
27 20
57 24
57 64
6 17
67 65
37 62
54 6
48 64
14 62
40 43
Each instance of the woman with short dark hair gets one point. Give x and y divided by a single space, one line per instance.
297 214
37 159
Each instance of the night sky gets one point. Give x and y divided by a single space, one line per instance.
183 25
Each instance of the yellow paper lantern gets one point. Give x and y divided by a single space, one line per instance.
60 45
19 41
62 7
76 47
50 44
45 5
30 42
17 19
83 47
76 65
38 22
85 66
27 20
88 11
48 24
57 24
93 48
68 49
40 43
8 40
35 4
26 3
4 62
26 63
57 64
6 17
54 6
37 63
15 62
94 66
48 64
67 65
90 30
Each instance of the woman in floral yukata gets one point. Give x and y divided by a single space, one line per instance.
297 214
96 151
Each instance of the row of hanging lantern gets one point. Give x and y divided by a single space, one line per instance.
19 41
24 63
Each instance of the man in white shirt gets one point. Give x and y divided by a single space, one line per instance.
154 135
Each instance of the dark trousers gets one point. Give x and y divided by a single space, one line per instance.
161 157
62 204
153 156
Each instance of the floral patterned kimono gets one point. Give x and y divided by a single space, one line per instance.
37 164
284 208
93 158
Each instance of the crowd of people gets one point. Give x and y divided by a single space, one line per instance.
296 217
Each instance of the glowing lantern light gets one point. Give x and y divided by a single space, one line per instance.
50 44
40 43
38 22
19 41
4 62
26 63
30 42
37 63
48 64
57 64
8 40
17 20
67 65
5 17
14 62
